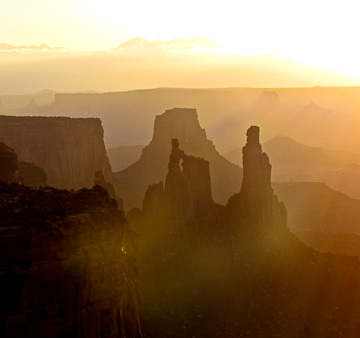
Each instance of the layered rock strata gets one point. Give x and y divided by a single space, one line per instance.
70 151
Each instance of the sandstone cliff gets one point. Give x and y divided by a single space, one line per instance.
67 265
70 151
183 125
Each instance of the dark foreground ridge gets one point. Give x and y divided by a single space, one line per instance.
67 265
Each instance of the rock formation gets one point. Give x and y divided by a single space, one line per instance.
269 101
183 125
187 191
247 277
67 265
31 105
100 181
69 150
32 175
9 165
256 205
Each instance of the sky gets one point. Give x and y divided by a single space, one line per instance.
314 32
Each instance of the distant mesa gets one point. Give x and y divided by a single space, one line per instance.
47 91
269 100
139 42
31 105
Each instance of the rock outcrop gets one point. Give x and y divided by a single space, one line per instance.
187 191
9 165
69 150
100 181
256 205
67 265
183 125
32 175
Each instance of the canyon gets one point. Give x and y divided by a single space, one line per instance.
202 269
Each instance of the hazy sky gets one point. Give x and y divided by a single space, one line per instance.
316 32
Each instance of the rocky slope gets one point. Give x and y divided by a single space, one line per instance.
67 266
183 125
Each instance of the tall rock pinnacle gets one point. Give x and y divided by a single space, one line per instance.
256 204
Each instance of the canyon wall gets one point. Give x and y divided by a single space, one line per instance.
69 150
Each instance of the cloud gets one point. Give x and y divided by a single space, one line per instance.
5 47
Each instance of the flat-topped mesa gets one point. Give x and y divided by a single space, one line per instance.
256 205
187 191
69 150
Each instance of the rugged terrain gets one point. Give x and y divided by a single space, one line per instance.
238 272
67 265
